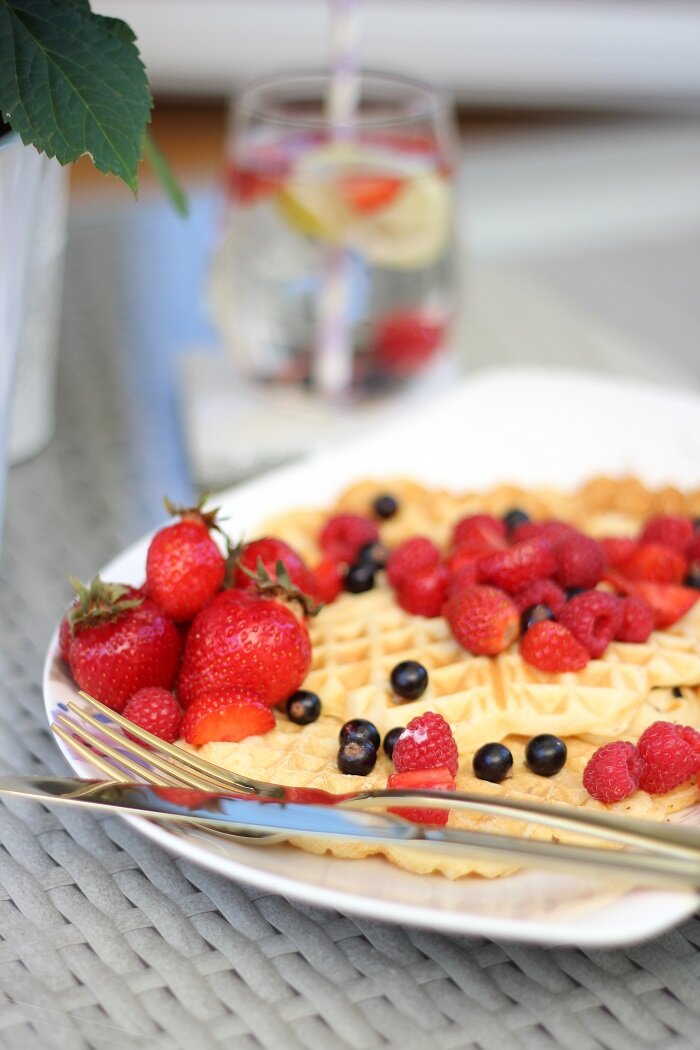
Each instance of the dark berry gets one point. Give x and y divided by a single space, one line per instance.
360 577
693 577
374 554
390 739
492 762
385 506
357 756
409 679
677 691
360 729
535 614
696 524
303 707
571 592
545 754
513 518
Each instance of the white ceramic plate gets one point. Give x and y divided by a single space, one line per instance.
530 426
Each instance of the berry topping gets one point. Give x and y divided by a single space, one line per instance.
613 771
554 532
541 592
225 714
328 576
424 594
692 578
637 620
617 549
426 743
519 565
483 619
385 506
390 739
357 757
671 754
652 561
360 729
580 561
344 534
594 617
375 554
184 567
534 614
545 754
492 762
480 530
269 552
413 780
155 710
671 530
667 601
551 647
303 707
513 518
360 577
409 679
410 557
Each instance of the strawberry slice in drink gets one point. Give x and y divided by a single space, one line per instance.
369 193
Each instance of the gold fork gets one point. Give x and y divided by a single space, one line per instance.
654 852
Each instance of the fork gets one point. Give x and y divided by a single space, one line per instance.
655 852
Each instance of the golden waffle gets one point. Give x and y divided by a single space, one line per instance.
359 638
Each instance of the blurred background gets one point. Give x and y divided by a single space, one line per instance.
577 205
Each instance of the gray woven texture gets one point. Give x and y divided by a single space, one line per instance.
106 941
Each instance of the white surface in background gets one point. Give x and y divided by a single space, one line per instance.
503 51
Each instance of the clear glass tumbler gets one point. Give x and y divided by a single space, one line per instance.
337 234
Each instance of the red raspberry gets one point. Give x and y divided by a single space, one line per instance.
671 754
424 594
670 530
541 592
435 780
580 561
637 620
652 561
479 530
617 549
156 710
551 646
593 617
344 534
483 619
519 565
415 555
426 743
613 771
693 552
328 580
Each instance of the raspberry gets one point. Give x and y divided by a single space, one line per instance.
541 592
613 771
637 620
551 646
479 530
693 552
424 594
426 743
670 530
652 561
593 617
580 562
483 619
328 580
617 549
344 534
671 754
415 555
435 780
519 565
156 710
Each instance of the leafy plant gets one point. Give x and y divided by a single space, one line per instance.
72 83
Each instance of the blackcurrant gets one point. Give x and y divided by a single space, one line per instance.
374 554
535 614
390 740
385 506
409 679
303 707
545 754
360 577
492 762
360 729
513 518
357 756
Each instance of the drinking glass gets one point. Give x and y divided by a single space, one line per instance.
336 268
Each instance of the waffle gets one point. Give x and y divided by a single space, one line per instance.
358 639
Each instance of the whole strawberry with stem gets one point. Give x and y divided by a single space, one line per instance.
119 642
184 566
269 551
242 640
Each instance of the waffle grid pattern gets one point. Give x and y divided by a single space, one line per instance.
107 942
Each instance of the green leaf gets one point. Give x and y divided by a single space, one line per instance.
72 83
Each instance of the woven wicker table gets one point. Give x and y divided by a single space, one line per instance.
107 941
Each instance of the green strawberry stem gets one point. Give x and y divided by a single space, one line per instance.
98 602
280 584
208 518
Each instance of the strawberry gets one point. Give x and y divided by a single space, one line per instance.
241 640
418 554
483 619
554 532
652 561
433 780
465 554
463 578
121 642
405 340
328 578
580 561
366 194
551 647
226 714
424 593
184 566
480 531
344 535
670 530
617 549
270 551
156 710
518 566
667 601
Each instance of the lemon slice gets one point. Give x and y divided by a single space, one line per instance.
314 209
412 231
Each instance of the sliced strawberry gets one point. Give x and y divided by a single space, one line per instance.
328 577
479 531
655 562
369 193
226 714
431 779
617 549
247 186
667 601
